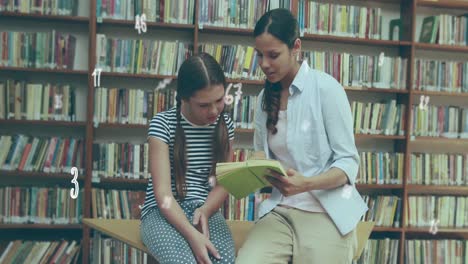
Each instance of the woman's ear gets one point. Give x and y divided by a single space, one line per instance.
297 46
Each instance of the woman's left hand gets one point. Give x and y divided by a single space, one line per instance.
200 221
288 185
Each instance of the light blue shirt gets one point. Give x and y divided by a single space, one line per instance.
319 136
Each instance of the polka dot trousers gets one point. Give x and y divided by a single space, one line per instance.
167 245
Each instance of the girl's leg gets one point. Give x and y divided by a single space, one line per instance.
164 242
220 236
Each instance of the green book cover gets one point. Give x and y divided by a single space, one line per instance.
429 29
243 178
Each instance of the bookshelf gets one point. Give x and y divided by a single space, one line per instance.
408 47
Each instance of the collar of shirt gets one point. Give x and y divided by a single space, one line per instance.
301 78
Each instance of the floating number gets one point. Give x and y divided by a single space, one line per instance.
434 226
74 191
229 99
97 77
140 23
424 102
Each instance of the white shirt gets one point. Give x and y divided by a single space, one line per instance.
303 201
319 136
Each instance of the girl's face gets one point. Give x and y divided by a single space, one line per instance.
205 105
274 57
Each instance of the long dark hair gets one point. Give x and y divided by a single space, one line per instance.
282 24
196 73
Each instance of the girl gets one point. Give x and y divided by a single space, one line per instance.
303 119
180 221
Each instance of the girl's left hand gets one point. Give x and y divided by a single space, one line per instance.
291 184
200 221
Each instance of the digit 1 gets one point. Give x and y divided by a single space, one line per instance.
97 77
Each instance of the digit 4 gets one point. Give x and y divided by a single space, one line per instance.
140 23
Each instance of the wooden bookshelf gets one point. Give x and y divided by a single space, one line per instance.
438 47
225 30
406 48
120 183
42 123
442 233
357 41
37 175
375 90
387 229
158 25
124 126
434 93
362 186
136 75
414 189
41 226
357 136
44 70
430 140
370 136
51 18
455 4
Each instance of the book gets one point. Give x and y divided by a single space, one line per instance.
429 29
395 31
242 178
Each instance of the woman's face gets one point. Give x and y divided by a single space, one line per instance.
274 57
205 105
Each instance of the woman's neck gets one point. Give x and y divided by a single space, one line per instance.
288 79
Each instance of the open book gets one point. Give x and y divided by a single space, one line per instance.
245 177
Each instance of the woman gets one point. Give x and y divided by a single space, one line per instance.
180 221
303 119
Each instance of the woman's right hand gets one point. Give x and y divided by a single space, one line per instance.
201 247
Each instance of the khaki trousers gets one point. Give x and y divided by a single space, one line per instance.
288 235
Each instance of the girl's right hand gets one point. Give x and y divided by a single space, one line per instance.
201 246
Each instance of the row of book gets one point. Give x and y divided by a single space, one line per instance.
237 61
245 209
340 20
383 210
241 62
438 169
36 101
242 111
106 250
41 252
130 106
112 105
116 204
128 160
440 76
120 160
43 7
381 168
379 251
236 13
443 211
445 29
449 251
439 121
143 56
387 118
360 70
53 49
173 11
37 205
44 154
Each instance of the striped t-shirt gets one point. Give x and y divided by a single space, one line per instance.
199 141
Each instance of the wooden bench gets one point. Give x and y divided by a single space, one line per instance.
128 231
